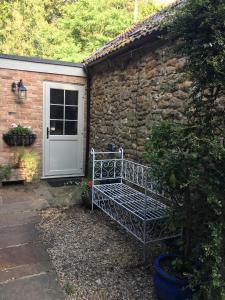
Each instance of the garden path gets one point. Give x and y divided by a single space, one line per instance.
26 272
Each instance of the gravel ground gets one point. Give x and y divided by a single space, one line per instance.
94 257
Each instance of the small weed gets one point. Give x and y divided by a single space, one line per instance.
71 182
69 288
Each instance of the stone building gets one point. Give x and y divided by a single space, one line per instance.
117 93
135 80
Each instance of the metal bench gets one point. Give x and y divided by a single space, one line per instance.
123 190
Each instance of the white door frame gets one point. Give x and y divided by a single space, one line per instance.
60 85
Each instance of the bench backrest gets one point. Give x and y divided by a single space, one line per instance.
107 166
136 174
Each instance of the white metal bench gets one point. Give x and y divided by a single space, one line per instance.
123 190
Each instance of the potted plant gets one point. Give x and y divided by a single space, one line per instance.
169 283
19 135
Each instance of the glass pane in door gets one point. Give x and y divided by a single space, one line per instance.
63 112
56 96
71 128
56 112
71 113
56 127
71 98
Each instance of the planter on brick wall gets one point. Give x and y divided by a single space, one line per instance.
19 139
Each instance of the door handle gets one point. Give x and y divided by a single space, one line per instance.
47 132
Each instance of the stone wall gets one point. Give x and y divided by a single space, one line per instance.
29 113
133 91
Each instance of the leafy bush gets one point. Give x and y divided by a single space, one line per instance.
29 162
191 168
189 159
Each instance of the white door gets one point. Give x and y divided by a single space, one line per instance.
63 129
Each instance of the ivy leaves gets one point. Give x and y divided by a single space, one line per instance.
189 159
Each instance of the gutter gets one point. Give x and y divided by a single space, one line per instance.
86 70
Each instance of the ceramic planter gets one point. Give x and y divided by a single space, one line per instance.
167 286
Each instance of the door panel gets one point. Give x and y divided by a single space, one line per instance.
63 129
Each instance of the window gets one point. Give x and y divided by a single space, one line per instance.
63 112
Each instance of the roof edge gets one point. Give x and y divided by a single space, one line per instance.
144 30
35 59
129 47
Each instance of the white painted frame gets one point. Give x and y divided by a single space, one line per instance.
13 64
81 127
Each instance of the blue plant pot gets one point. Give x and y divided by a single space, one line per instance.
168 287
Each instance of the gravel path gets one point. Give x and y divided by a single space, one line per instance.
94 257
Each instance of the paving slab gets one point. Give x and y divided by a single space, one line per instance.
22 255
26 272
20 234
34 204
12 198
38 287
22 271
16 219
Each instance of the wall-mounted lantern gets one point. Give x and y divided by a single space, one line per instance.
20 90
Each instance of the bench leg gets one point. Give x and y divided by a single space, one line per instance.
92 203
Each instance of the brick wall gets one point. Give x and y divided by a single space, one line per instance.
29 113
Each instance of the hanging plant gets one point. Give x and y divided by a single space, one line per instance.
19 135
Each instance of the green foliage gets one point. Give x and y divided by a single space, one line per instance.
189 159
85 187
199 26
20 130
191 168
5 171
29 161
69 288
67 30
97 24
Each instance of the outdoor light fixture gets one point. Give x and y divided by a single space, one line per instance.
21 91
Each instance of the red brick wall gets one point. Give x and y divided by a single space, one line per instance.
29 113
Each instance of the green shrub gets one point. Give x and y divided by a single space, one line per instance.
5 171
189 159
191 169
29 162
